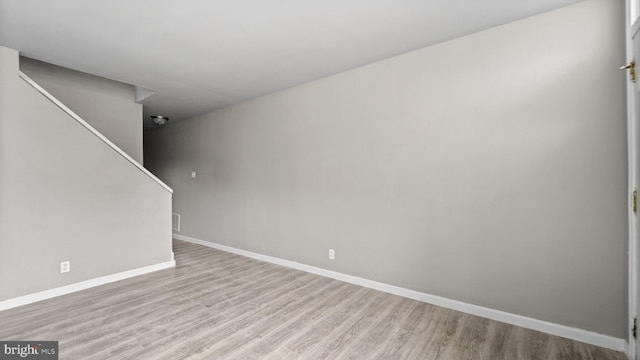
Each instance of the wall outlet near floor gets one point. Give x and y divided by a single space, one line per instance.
332 254
65 267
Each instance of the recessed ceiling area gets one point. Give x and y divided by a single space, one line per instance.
200 55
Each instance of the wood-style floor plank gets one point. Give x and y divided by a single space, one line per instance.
216 305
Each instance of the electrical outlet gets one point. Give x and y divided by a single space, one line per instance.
193 175
65 266
332 254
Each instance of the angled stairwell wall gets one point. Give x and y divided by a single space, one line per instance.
66 195
106 105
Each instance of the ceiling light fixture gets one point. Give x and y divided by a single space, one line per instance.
159 120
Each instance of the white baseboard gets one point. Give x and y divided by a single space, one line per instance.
581 335
63 290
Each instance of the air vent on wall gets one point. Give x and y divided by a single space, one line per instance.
175 224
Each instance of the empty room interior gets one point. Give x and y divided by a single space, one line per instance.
383 179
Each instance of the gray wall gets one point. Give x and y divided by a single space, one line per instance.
66 195
109 106
489 169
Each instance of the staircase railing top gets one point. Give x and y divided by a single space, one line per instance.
92 130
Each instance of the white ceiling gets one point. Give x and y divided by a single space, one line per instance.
200 55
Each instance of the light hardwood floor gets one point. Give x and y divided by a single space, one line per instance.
216 305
